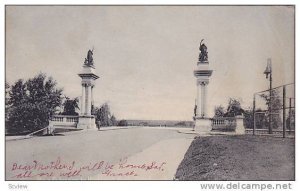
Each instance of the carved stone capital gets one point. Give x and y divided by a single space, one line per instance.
202 82
87 83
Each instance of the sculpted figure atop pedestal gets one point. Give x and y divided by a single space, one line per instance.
89 61
203 57
88 77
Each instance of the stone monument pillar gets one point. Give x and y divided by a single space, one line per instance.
202 73
88 77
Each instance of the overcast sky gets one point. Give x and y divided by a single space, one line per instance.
145 55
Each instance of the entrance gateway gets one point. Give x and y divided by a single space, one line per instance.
203 123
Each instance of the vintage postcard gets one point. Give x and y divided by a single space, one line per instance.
150 92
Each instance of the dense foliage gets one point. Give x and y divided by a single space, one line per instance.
31 103
276 104
104 116
219 111
70 106
233 109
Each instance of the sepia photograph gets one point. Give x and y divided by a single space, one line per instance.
150 92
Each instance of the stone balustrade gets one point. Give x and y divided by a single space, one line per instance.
223 123
235 124
63 121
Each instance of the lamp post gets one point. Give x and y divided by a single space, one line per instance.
268 72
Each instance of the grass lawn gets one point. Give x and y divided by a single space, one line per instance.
241 157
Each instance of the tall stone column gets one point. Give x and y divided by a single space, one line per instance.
198 102
88 77
89 100
202 73
82 109
86 99
203 98
92 96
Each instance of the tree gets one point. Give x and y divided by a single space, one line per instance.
7 105
123 123
7 89
219 111
32 103
248 118
260 119
234 108
104 116
17 93
70 106
276 104
290 121
114 121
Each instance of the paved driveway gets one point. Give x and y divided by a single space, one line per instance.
86 155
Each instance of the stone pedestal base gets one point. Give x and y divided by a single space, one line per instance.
202 125
240 128
86 122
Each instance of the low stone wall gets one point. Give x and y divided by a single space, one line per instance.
228 124
223 124
63 121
